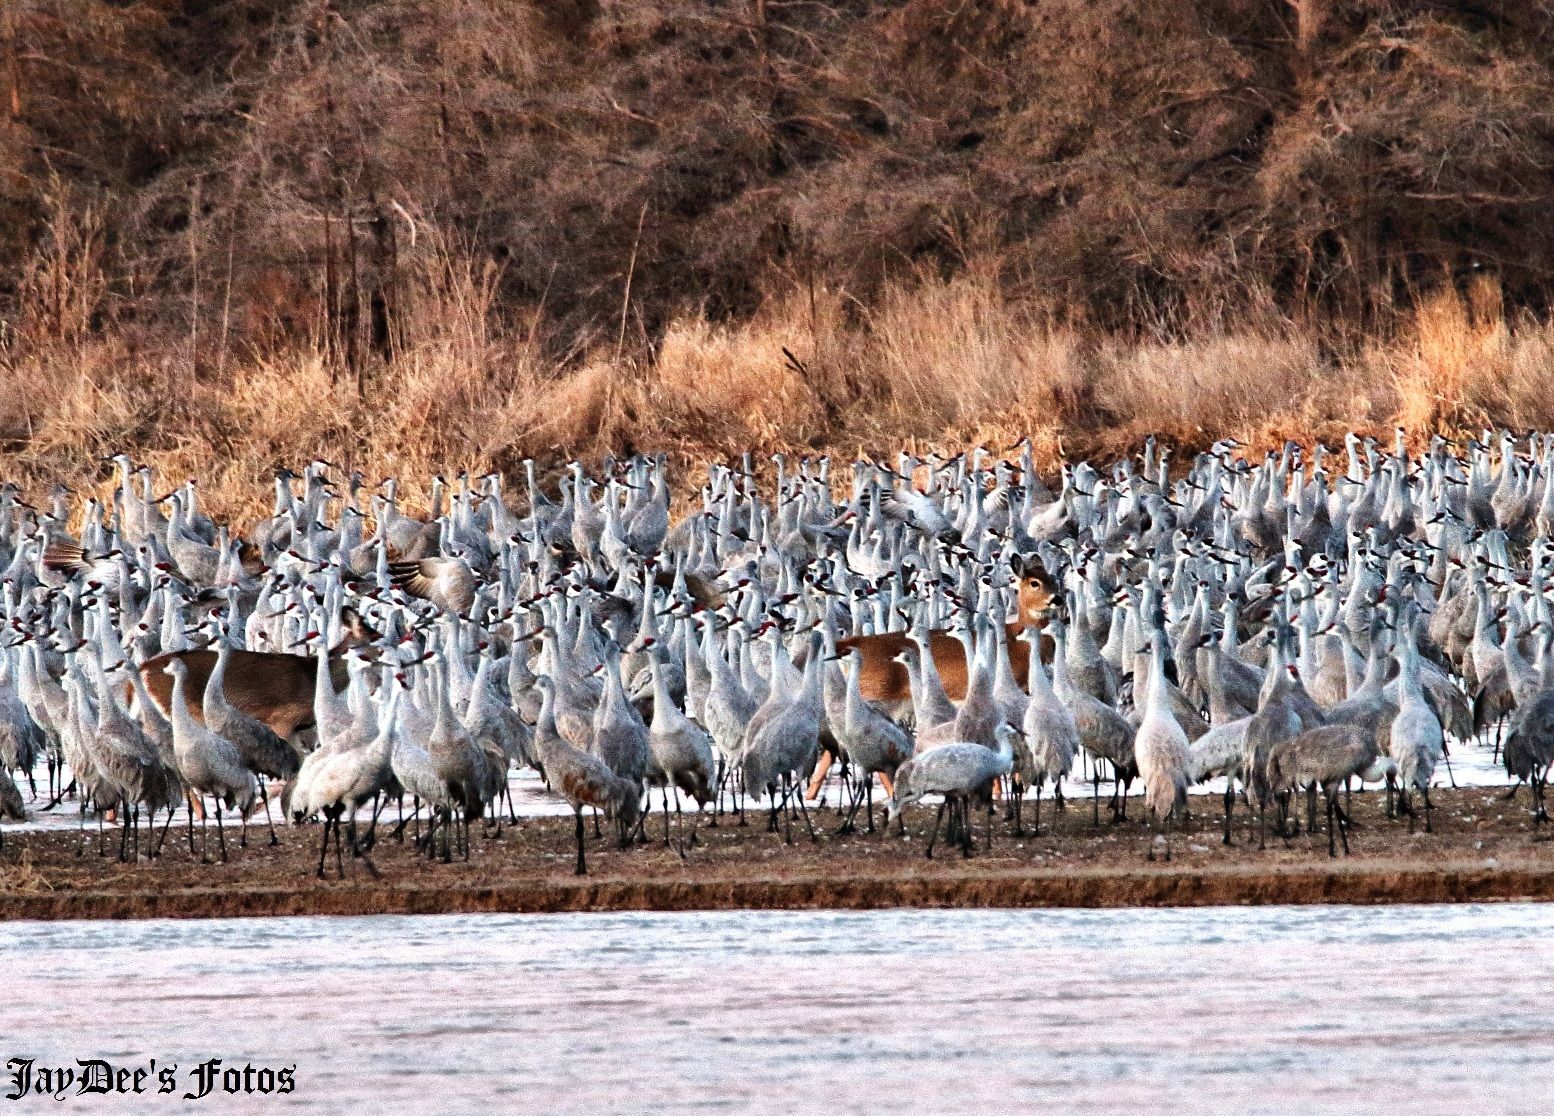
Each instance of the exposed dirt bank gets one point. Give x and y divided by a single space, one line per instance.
1483 849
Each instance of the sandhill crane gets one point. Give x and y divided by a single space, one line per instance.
262 751
919 560
459 762
1161 750
449 583
727 713
209 764
21 738
620 735
197 561
874 744
1326 757
931 705
496 727
783 739
345 780
122 751
1278 717
11 806
1220 752
1051 737
583 779
681 749
77 727
961 771
1417 740
410 761
1103 732
1529 749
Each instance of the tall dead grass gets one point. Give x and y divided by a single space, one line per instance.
941 363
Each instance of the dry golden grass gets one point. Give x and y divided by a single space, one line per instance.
23 877
412 239
936 364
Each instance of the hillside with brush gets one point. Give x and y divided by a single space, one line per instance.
235 234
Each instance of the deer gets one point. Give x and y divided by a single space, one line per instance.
884 680
273 687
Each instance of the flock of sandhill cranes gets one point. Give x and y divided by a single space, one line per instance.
948 627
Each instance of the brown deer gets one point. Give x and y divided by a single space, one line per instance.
273 687
885 681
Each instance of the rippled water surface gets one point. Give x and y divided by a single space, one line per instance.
1314 1009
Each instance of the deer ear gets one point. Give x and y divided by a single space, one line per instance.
1017 565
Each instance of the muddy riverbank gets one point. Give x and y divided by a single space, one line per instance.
1483 848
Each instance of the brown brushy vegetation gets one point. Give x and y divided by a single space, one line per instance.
240 232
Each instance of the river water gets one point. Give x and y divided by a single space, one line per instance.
1273 1009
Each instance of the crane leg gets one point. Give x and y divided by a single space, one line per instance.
1036 809
868 793
268 820
221 831
1230 802
371 840
934 836
804 812
851 798
582 860
123 829
679 823
717 792
161 839
204 833
323 845
1343 826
